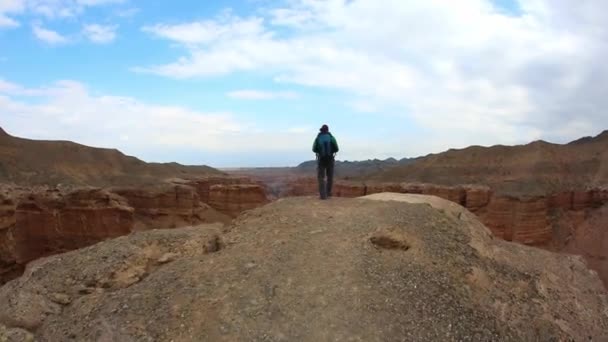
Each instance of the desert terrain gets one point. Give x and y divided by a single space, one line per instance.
552 196
508 244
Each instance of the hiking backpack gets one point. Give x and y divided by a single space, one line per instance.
325 146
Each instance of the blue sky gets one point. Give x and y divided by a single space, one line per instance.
248 83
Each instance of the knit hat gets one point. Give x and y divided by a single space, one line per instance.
324 128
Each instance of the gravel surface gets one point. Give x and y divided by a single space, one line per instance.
301 269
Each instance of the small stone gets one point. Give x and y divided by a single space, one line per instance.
167 257
60 298
86 290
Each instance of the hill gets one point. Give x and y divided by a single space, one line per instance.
37 162
535 168
305 270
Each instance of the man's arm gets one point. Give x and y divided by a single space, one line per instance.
334 143
315 148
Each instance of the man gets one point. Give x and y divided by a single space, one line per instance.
325 147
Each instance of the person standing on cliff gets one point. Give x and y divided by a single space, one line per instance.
325 147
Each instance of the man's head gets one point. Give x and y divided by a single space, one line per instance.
324 129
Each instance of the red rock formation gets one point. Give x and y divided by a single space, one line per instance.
229 195
302 187
515 219
348 189
525 221
168 206
236 198
588 236
8 265
562 200
454 194
477 197
42 222
203 185
375 188
51 222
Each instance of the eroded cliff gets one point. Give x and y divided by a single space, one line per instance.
39 222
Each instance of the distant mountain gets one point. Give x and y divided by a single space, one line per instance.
536 167
356 169
38 162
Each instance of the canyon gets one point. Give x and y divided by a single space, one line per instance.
35 223
101 237
58 196
564 217
551 196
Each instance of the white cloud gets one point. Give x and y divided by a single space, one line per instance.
100 34
248 94
226 28
10 7
99 2
6 22
363 106
127 13
68 110
459 69
8 87
48 36
51 9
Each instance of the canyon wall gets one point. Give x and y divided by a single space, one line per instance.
51 222
39 222
230 195
569 221
168 206
8 265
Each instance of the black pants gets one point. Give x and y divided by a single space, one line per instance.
325 167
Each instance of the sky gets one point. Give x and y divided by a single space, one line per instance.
249 83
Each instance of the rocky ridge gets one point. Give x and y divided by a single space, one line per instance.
552 221
50 163
537 168
309 270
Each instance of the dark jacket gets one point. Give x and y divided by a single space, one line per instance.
334 144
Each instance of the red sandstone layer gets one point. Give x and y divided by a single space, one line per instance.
41 222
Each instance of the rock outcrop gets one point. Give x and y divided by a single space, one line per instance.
168 206
234 199
532 220
308 270
586 234
521 220
229 195
42 222
9 268
51 222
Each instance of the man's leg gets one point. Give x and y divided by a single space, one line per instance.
330 176
321 179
